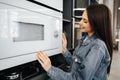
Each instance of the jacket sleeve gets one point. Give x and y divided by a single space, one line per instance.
68 55
86 69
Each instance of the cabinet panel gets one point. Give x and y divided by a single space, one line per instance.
67 21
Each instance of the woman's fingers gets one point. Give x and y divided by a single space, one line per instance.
41 56
63 41
63 36
44 60
40 61
45 55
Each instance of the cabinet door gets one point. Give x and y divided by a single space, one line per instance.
28 5
57 4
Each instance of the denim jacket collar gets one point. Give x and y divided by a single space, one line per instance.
89 39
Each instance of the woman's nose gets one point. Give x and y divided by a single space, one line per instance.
80 22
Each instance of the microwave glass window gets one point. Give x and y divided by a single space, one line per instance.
28 32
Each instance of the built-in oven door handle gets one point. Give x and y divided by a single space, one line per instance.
56 34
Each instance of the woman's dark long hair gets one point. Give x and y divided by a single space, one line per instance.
99 17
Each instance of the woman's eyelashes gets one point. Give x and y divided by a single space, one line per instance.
85 21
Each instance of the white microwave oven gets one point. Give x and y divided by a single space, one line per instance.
24 32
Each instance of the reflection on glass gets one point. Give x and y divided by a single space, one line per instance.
28 32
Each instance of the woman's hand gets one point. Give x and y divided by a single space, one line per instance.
64 43
44 60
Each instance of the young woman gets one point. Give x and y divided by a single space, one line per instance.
92 57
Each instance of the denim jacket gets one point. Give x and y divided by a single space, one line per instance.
89 61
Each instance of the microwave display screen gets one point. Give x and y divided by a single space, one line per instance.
27 32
